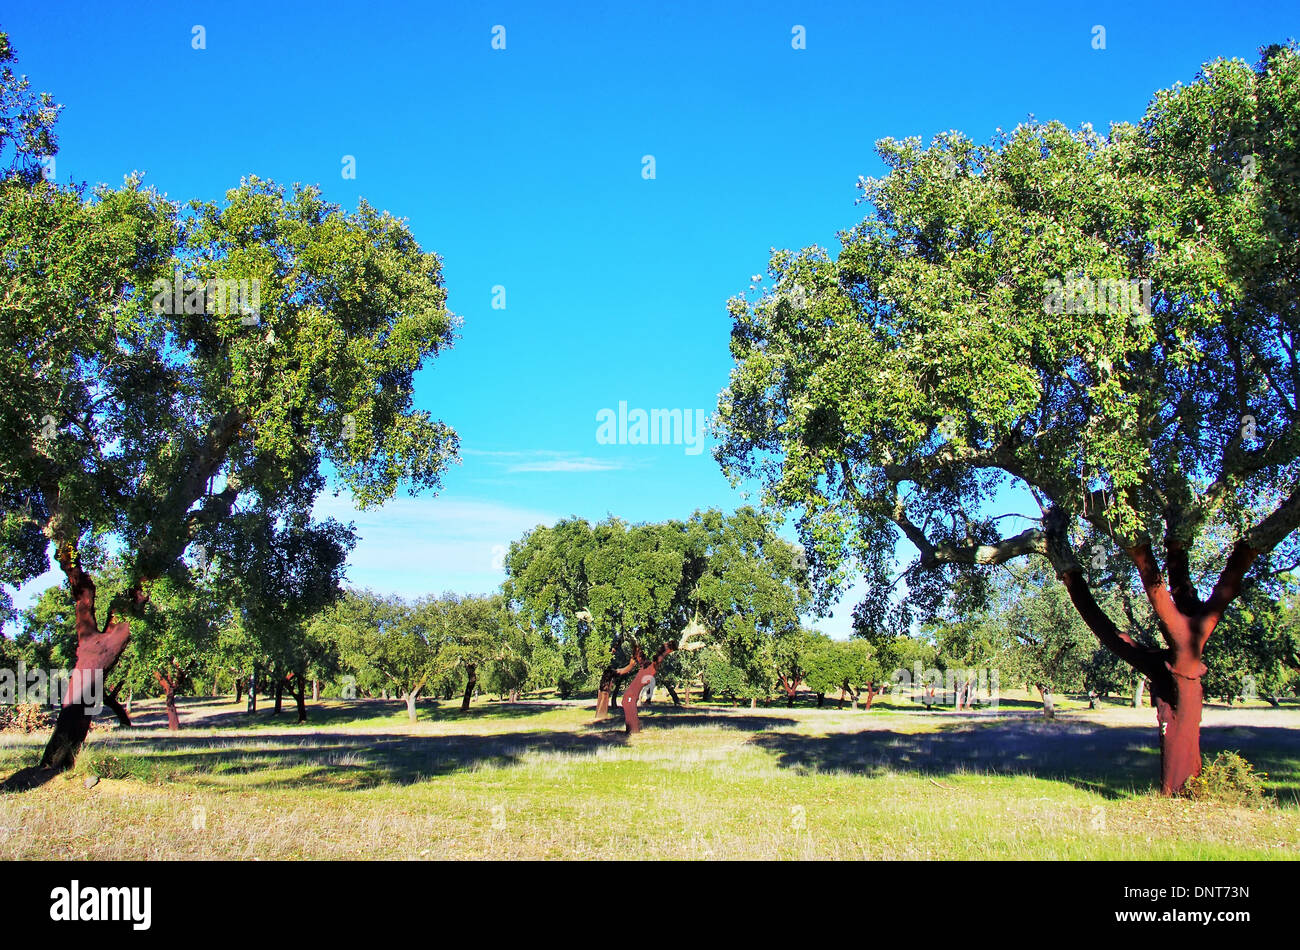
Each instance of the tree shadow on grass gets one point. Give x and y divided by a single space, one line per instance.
671 717
337 713
1113 761
336 761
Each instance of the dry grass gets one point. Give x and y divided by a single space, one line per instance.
537 781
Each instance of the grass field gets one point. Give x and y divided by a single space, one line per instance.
537 780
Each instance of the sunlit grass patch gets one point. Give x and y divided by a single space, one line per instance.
696 783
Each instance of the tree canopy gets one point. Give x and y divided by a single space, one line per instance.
1105 323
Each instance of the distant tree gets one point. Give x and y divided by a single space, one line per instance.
527 660
905 660
1257 650
824 665
388 645
471 637
614 595
964 644
723 678
177 631
790 654
283 567
1044 640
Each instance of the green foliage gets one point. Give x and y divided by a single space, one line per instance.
604 590
894 390
528 659
1046 644
723 678
26 121
386 644
1227 779
144 410
471 632
833 665
1254 649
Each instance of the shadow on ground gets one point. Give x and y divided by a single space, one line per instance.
1114 761
338 761
198 713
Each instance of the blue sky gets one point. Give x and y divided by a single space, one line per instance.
522 167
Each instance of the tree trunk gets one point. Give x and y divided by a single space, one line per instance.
471 673
632 694
871 694
791 688
279 694
169 692
1049 707
130 699
411 698
673 694
300 694
252 692
1179 717
753 702
821 698
1137 692
97 653
640 680
1174 672
111 701
239 688
315 690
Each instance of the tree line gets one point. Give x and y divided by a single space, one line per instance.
583 607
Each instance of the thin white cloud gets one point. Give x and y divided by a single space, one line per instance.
546 460
567 465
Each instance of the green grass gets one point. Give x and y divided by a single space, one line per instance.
534 781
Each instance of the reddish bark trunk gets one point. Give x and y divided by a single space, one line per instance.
608 680
791 688
97 653
639 682
1175 673
871 694
169 694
